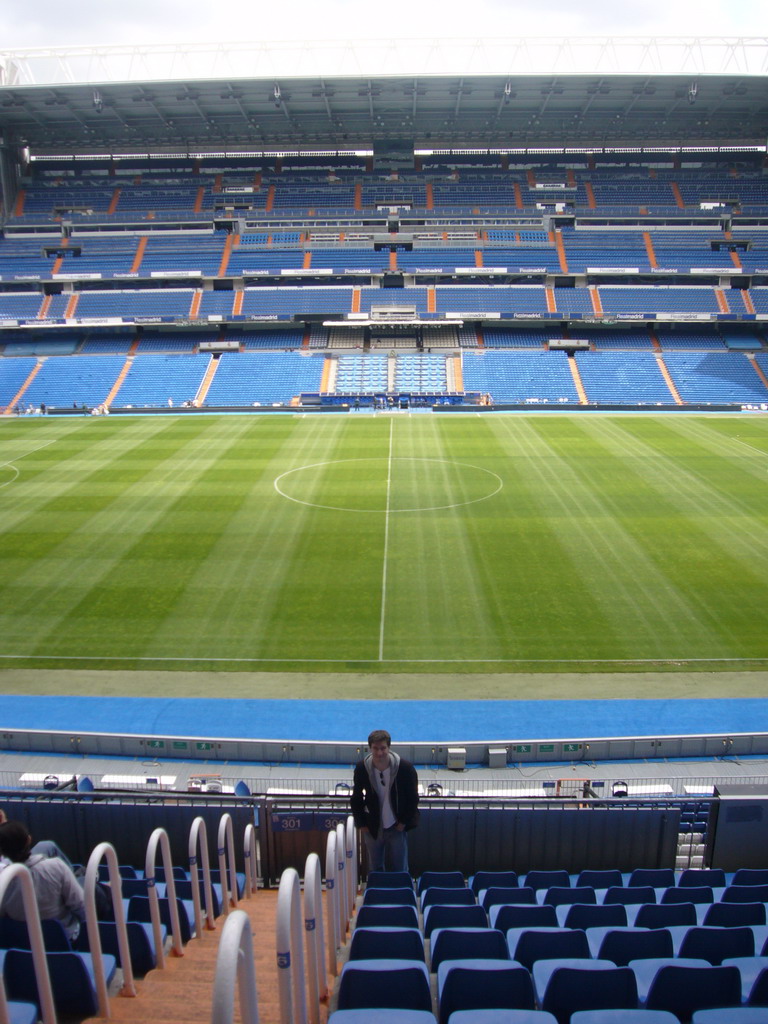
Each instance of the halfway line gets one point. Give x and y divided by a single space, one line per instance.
386 544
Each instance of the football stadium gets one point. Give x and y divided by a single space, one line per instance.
433 403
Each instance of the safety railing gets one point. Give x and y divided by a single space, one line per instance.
290 951
314 932
106 850
251 860
227 867
20 874
198 841
475 782
235 967
160 838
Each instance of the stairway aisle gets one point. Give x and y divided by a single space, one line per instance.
181 992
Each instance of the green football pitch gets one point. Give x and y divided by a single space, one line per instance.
388 544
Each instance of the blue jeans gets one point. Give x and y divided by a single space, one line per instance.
390 846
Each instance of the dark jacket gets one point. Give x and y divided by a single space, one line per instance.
404 794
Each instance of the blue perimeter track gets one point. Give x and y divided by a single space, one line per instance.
413 721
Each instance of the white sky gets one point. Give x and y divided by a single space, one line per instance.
44 23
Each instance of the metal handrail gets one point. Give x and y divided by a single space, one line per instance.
342 908
290 951
352 864
314 932
198 840
226 850
160 836
234 962
251 856
332 895
92 924
21 873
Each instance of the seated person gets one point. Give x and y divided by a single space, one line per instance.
46 846
58 893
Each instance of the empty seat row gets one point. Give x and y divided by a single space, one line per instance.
562 987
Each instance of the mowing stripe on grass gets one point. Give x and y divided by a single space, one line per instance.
632 540
385 552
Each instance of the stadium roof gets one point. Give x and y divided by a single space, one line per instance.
596 93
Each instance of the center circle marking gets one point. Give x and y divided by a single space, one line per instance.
493 485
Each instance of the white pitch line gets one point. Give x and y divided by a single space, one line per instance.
10 462
750 446
382 619
373 661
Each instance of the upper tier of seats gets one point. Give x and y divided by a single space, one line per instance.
131 189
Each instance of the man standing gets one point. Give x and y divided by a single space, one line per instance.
385 803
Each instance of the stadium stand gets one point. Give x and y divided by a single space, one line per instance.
485 253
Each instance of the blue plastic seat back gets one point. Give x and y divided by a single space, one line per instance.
682 990
657 878
14 935
446 897
74 994
467 944
384 984
140 944
136 887
441 916
381 897
386 943
716 944
714 877
733 915
750 876
570 989
179 873
239 879
745 894
126 871
493 879
389 880
630 894
441 880
496 895
546 879
622 946
549 944
184 892
665 915
688 894
586 915
600 879
524 916
557 895
478 987
139 910
387 916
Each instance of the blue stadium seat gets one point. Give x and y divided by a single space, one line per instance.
382 984
482 985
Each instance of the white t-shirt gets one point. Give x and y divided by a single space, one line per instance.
383 782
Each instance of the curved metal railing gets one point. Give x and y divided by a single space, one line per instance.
20 873
235 965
